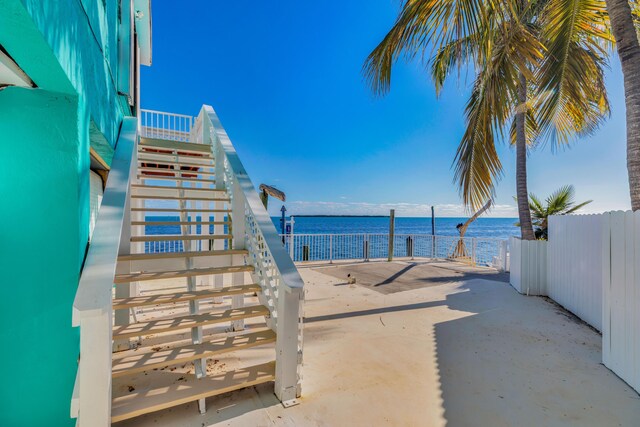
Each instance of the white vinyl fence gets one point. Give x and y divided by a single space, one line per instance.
575 263
593 270
528 266
621 296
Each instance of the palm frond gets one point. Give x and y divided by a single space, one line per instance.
422 24
572 97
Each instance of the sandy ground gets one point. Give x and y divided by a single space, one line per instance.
466 352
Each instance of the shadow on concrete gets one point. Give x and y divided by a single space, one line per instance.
397 275
518 361
373 311
389 278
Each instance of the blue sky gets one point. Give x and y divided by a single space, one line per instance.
285 79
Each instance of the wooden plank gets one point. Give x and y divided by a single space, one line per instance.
183 296
151 223
173 274
178 210
173 171
144 402
176 178
179 163
183 354
209 199
187 322
167 237
163 187
174 153
164 144
163 255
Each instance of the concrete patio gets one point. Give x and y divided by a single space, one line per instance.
431 344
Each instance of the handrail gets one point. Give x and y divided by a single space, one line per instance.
283 262
93 296
92 308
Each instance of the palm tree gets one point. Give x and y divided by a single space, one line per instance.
561 202
624 31
539 68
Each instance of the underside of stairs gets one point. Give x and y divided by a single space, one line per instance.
188 321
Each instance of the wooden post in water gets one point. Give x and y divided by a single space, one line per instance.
392 227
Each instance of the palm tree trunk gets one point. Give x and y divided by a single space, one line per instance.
629 52
522 193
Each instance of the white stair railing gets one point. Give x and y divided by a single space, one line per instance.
161 125
92 308
282 286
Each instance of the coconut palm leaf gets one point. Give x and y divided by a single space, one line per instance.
420 26
572 94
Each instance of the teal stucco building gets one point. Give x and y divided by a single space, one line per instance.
69 73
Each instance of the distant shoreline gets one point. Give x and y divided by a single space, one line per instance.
341 216
387 216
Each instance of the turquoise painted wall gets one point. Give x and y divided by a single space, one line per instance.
69 49
69 46
44 166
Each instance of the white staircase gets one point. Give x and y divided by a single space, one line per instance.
187 291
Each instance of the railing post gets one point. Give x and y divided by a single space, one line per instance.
392 227
291 240
238 236
287 351
474 242
330 248
218 158
94 406
365 247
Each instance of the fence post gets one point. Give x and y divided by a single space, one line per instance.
392 224
330 248
474 242
365 247
291 239
503 255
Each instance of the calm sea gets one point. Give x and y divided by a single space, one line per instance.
483 227
501 228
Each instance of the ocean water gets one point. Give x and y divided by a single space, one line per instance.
501 228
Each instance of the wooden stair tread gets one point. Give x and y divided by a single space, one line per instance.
177 178
152 223
166 237
173 356
208 199
183 296
173 274
174 153
187 322
179 210
164 187
186 254
146 401
173 171
164 144
150 161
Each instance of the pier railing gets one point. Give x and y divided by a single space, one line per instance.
367 246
